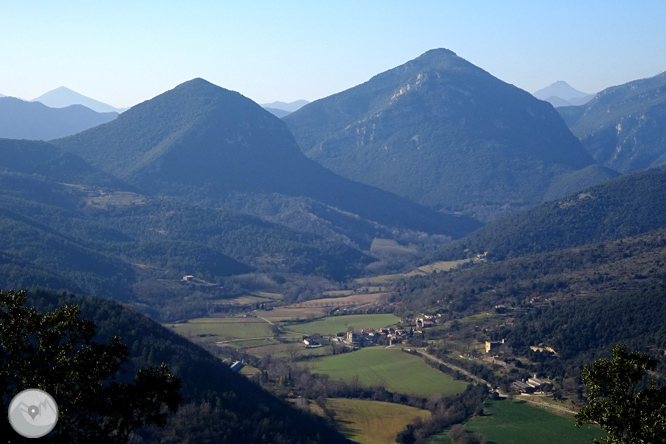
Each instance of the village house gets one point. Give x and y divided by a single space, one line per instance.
237 366
354 338
521 387
536 383
493 345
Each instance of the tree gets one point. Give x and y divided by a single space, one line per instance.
616 402
54 352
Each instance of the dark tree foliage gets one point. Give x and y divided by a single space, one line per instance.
54 352
459 435
581 330
630 415
452 410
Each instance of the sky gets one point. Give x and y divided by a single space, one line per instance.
125 52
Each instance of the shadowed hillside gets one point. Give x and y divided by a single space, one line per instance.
203 143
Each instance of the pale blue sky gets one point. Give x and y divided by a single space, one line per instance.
125 52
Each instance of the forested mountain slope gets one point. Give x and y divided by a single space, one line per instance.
444 133
626 206
66 225
579 301
204 143
623 127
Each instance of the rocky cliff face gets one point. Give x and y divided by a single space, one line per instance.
624 127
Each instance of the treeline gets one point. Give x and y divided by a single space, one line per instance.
451 410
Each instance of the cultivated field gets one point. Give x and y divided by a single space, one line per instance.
282 350
336 324
255 297
386 279
396 370
291 313
222 329
356 299
514 422
372 422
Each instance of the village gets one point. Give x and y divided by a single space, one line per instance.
390 336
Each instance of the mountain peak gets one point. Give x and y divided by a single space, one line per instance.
560 89
62 97
432 127
205 143
198 82
438 52
201 89
218 119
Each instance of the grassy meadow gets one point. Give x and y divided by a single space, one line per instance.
372 422
515 422
336 324
397 371
386 279
222 329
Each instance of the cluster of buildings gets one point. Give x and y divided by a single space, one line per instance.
361 338
531 385
369 336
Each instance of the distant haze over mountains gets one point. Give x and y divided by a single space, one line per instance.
624 127
444 133
286 106
281 109
561 93
62 97
33 120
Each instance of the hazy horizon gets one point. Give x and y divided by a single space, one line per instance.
124 53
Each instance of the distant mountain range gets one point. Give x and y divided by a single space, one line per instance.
33 120
444 133
279 113
205 143
561 93
281 109
286 106
148 210
62 97
624 127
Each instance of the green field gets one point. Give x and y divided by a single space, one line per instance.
397 371
372 422
336 324
511 422
222 329
251 343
